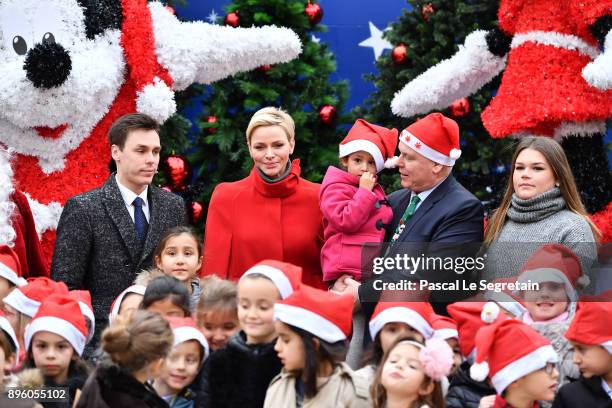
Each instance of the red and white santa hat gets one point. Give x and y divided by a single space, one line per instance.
471 317
61 315
590 325
555 263
185 329
84 299
444 327
415 314
10 269
116 305
505 298
7 328
379 141
26 299
285 276
508 350
326 315
435 137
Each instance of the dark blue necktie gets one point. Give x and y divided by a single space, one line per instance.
140 221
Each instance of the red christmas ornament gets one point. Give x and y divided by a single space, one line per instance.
177 171
426 11
460 107
232 19
265 67
213 129
328 114
399 54
314 13
195 211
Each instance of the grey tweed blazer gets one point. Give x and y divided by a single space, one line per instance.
97 248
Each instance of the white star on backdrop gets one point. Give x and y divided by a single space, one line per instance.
315 39
212 17
376 42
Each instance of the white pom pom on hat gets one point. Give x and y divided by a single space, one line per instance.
489 313
479 371
391 162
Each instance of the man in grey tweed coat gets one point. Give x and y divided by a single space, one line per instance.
107 235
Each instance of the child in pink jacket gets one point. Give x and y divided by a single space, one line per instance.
354 206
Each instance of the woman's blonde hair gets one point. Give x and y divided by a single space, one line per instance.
137 340
271 116
557 160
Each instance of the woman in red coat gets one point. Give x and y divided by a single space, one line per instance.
273 213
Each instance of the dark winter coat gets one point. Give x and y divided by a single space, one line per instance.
585 392
464 392
109 386
238 375
77 376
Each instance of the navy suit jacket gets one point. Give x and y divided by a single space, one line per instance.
449 215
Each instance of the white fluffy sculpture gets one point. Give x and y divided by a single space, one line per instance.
69 68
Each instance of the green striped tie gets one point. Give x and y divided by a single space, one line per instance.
407 215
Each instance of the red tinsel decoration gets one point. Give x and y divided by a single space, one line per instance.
232 19
177 171
328 114
399 54
195 211
314 13
603 220
426 11
460 107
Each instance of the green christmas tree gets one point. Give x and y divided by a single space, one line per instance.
301 87
431 32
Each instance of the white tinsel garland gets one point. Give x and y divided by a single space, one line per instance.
7 206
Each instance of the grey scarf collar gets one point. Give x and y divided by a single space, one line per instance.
276 179
536 208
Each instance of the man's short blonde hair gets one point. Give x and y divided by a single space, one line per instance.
270 116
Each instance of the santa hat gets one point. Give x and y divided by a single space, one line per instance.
285 276
415 314
185 329
505 298
61 315
116 305
589 325
379 141
509 350
324 314
26 299
84 299
435 137
444 327
10 269
8 330
471 317
555 263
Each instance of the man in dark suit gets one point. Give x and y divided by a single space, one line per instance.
107 235
433 214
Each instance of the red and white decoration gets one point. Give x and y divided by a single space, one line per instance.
61 315
435 137
60 136
378 141
417 315
27 299
509 350
324 314
83 297
9 266
589 325
285 276
185 329
116 305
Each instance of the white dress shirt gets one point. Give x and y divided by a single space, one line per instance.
129 196
424 194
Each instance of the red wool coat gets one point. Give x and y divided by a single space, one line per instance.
251 220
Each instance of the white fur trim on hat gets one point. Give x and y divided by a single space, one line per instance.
446 334
402 315
10 275
365 146
506 302
607 345
86 311
309 321
421 148
58 326
549 275
156 100
529 363
489 313
391 162
20 302
5 325
186 333
278 278
137 289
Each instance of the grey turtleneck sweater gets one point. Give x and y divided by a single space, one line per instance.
539 220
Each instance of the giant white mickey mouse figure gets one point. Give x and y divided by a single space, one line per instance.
69 68
557 82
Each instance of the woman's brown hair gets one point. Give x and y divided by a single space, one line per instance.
379 394
557 160
135 341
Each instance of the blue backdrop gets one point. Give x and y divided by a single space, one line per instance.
354 35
